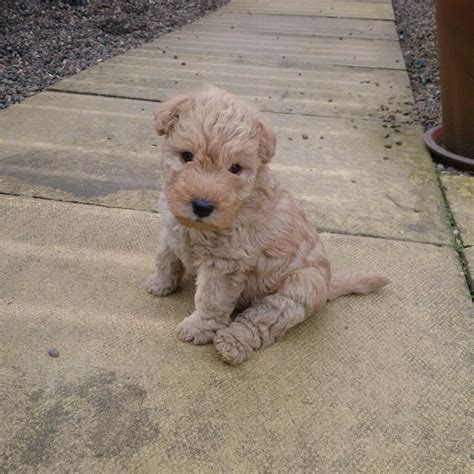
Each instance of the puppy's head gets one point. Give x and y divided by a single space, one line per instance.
215 146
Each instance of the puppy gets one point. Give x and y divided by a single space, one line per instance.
227 220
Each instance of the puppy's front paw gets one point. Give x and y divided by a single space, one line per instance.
230 348
191 329
159 285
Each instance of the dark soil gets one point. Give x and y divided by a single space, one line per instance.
42 41
416 24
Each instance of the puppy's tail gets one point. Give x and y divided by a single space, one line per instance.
349 282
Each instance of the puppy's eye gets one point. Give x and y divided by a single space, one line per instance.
235 168
186 156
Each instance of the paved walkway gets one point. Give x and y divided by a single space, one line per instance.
377 383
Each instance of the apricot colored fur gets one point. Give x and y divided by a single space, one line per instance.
257 254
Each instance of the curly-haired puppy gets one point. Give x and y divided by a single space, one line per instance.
227 220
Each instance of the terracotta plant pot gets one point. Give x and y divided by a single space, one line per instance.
434 139
455 20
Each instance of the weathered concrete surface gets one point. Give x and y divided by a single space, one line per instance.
460 194
294 52
377 383
285 25
328 91
106 151
469 254
331 74
107 154
335 8
286 52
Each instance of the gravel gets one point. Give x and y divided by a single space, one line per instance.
42 41
416 24
53 352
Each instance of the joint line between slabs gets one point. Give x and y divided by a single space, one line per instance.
321 230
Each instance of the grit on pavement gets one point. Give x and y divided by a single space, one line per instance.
374 383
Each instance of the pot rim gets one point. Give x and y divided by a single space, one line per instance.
434 139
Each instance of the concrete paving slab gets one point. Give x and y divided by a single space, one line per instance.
336 92
348 181
286 51
330 8
376 383
361 53
107 154
460 195
81 148
469 255
459 192
295 52
294 26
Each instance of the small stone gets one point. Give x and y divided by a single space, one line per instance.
290 138
53 352
353 181
321 137
417 210
183 64
386 136
398 143
386 158
329 100
305 136
175 57
388 145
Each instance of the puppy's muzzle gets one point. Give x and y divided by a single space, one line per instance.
202 208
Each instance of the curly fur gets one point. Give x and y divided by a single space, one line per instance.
256 254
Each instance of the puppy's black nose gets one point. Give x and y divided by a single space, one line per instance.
202 208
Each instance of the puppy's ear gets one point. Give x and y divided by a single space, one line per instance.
267 137
167 115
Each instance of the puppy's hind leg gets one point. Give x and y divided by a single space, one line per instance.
169 271
302 294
